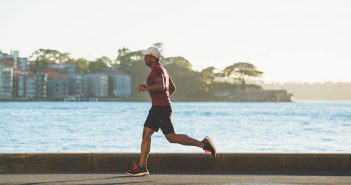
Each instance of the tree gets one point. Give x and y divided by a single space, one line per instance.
99 65
132 63
121 55
189 83
42 57
50 56
242 71
82 65
158 45
179 62
208 75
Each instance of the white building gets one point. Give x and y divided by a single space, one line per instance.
98 85
121 85
22 63
14 54
6 80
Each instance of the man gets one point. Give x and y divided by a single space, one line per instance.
161 87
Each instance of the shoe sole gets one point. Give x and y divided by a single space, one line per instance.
138 174
209 140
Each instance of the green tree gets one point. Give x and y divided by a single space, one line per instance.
121 54
42 57
51 56
132 63
189 83
242 71
178 62
208 75
158 45
99 64
82 65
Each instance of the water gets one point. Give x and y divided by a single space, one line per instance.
117 126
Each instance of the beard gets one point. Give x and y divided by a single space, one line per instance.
149 64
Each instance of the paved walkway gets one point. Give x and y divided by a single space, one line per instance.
162 179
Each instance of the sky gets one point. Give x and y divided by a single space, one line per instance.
289 40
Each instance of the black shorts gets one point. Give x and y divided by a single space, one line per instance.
160 117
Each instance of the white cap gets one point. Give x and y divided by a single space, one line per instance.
152 51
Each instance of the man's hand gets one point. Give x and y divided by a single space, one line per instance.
158 86
142 87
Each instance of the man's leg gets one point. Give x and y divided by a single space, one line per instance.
184 140
145 145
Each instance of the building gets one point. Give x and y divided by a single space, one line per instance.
36 85
62 68
98 85
21 91
30 86
7 61
13 60
3 56
15 78
58 79
19 83
6 80
121 85
57 85
40 81
78 85
15 55
22 63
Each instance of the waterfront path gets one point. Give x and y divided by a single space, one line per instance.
161 179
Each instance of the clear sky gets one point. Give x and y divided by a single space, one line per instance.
295 40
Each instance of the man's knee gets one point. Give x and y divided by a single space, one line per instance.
147 134
172 138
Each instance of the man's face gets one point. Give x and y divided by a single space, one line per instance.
149 60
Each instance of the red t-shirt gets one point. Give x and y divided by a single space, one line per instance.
160 98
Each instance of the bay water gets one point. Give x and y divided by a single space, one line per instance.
298 127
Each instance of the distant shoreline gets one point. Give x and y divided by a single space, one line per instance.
149 101
214 101
202 100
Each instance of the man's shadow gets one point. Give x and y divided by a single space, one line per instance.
116 177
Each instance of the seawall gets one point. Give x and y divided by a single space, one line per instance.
231 163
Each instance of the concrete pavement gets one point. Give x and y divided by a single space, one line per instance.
164 179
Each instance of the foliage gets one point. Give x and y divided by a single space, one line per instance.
132 63
99 65
190 84
242 71
41 58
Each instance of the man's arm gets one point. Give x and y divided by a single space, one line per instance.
172 87
158 86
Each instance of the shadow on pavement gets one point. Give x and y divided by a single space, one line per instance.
117 177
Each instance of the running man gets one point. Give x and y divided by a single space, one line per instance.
161 87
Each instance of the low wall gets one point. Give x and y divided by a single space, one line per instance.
240 163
